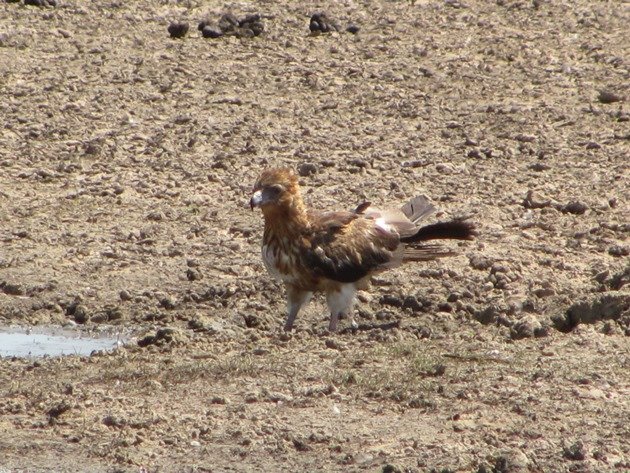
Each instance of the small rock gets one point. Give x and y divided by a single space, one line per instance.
619 250
389 468
576 452
58 409
489 315
530 203
307 169
607 96
525 138
574 207
321 23
40 3
391 300
210 32
411 302
333 344
178 29
124 295
527 327
511 461
12 289
81 315
301 445
228 23
193 274
602 307
354 29
539 167
480 262
544 292
163 335
251 398
251 25
474 153
112 420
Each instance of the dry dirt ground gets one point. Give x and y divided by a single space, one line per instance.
126 162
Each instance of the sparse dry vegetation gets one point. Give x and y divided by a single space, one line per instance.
126 162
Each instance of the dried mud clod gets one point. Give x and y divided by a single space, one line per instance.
608 96
322 23
162 336
178 29
605 307
40 3
229 25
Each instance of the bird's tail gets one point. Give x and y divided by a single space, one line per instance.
453 230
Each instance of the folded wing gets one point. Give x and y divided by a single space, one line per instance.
347 247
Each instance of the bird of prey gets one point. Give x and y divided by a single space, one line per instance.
337 252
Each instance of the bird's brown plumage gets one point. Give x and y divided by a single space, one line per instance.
337 252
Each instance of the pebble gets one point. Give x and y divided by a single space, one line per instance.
321 23
619 250
81 315
41 3
575 452
513 461
178 29
193 274
574 207
307 169
539 167
607 96
527 327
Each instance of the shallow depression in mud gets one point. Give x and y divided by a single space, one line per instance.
54 341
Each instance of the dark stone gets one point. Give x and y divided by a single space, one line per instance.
606 96
321 23
193 274
307 169
574 207
228 23
178 30
392 300
80 314
354 29
575 452
209 32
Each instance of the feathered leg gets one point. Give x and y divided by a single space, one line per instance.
340 301
296 298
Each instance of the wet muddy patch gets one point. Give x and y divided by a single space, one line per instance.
55 341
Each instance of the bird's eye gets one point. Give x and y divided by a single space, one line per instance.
276 188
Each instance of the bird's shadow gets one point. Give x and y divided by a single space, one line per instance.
367 327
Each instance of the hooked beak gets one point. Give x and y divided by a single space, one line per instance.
256 200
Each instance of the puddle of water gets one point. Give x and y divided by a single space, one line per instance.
53 341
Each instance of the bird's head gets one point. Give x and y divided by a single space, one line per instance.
276 188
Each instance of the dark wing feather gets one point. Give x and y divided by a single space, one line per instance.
346 247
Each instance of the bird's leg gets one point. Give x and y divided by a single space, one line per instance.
334 319
296 298
340 301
